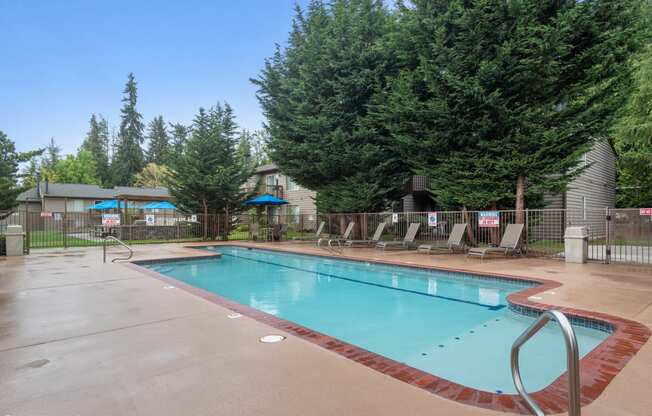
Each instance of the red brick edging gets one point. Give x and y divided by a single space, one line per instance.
597 368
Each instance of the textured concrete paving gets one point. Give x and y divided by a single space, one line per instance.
79 337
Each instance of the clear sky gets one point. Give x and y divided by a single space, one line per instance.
62 60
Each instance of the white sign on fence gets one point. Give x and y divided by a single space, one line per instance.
394 218
193 218
110 220
150 219
46 214
489 219
432 219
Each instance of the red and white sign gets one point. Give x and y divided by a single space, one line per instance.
489 219
646 211
46 214
110 220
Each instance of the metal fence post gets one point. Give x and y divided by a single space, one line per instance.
65 224
607 248
27 227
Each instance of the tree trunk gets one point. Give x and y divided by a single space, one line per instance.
494 233
469 227
520 199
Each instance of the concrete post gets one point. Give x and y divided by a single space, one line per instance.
14 239
576 245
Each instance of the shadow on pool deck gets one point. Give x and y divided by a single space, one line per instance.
78 337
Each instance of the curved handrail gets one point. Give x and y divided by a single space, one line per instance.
110 237
572 361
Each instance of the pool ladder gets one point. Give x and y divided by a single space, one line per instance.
112 238
572 361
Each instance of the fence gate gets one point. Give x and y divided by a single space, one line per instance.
629 236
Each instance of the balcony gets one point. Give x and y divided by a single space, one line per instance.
276 190
417 184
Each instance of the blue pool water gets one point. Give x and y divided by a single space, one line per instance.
454 326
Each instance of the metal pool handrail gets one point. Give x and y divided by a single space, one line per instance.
110 237
329 247
572 361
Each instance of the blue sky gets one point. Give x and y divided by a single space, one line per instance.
64 60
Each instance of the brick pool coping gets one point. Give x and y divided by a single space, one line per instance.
597 368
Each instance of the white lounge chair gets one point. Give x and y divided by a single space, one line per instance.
343 237
374 240
509 244
313 237
401 244
455 242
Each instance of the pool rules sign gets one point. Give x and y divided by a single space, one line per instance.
432 219
488 219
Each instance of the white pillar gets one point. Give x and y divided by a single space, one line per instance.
15 240
576 245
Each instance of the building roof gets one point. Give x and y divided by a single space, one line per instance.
266 168
77 190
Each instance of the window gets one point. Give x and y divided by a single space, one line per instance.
75 205
291 185
270 180
294 211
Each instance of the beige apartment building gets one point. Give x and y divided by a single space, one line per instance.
268 179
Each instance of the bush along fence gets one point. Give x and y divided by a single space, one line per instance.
615 235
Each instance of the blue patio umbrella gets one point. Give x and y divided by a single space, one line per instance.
111 204
159 205
264 200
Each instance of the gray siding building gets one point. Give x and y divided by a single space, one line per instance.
595 188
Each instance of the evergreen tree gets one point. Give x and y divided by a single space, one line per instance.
633 139
31 174
500 99
315 96
51 156
159 142
128 156
9 162
179 134
209 174
96 144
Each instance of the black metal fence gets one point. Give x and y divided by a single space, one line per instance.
615 235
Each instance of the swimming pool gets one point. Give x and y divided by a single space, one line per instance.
452 325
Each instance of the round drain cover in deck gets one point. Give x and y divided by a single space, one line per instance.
268 339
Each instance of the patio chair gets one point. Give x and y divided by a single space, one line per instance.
455 241
509 244
278 231
374 240
313 237
339 238
401 244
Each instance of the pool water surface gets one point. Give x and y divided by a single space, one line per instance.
455 326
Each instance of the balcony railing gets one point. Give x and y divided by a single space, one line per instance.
417 183
276 190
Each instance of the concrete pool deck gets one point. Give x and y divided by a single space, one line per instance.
78 337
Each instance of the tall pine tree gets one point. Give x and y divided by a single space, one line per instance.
128 157
159 142
96 144
9 162
179 135
209 174
315 95
501 98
